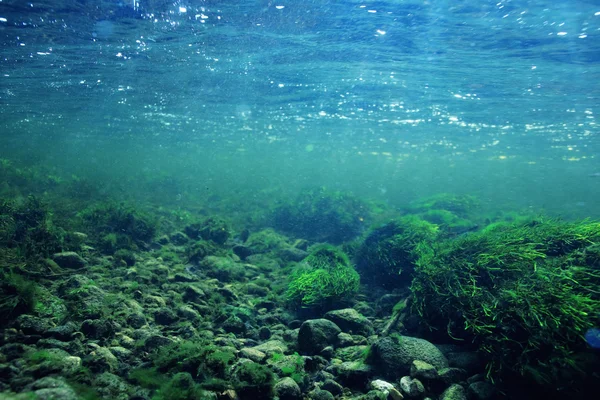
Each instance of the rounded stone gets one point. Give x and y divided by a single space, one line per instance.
288 389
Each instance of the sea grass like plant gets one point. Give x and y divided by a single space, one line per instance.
523 294
324 279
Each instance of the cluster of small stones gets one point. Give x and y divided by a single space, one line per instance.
117 315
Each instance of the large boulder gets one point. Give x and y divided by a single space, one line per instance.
316 334
69 259
454 392
351 321
288 389
393 356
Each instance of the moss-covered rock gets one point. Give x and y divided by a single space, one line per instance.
316 334
321 215
324 280
213 229
253 381
393 355
388 254
461 205
524 294
118 225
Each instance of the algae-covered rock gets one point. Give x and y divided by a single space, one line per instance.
320 394
422 370
350 320
102 360
321 215
253 381
354 374
324 280
52 361
411 387
393 355
69 259
111 386
514 291
213 229
316 334
48 388
454 392
288 389
272 346
388 254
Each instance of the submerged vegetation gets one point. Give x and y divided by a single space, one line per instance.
118 226
324 280
108 296
524 294
388 254
322 215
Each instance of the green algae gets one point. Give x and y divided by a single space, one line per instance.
519 293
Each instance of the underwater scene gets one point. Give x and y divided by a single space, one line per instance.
299 199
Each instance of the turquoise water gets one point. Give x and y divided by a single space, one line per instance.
170 171
392 100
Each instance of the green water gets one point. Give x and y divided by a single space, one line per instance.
390 100
196 156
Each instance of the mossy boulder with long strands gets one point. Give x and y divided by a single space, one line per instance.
388 254
525 295
324 279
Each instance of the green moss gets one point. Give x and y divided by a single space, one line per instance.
18 295
49 306
520 293
388 254
40 356
216 385
460 205
126 256
27 230
217 361
266 240
325 279
448 222
254 381
148 378
118 225
109 243
180 387
292 365
200 359
199 250
184 356
325 256
213 229
322 215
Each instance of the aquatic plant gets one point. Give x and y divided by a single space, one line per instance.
27 229
148 378
117 226
202 360
180 387
253 381
449 223
460 205
388 254
324 279
213 229
290 365
125 256
18 295
523 294
321 215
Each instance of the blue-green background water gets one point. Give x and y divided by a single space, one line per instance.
247 101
